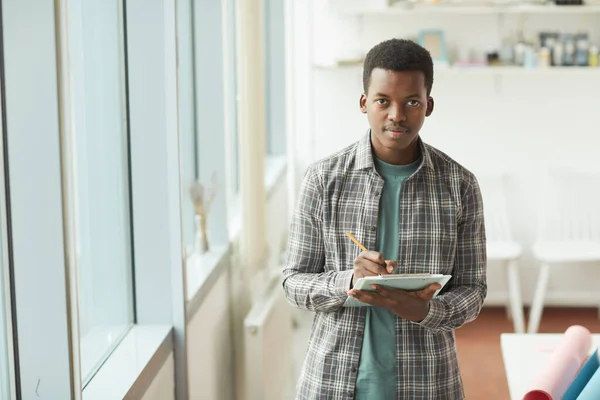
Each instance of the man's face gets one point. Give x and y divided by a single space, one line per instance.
396 106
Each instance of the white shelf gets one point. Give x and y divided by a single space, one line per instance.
509 70
475 9
515 70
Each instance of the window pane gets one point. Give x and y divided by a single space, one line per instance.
4 301
187 117
101 178
275 76
231 96
4 313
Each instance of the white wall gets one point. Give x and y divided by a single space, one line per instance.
519 121
301 86
210 353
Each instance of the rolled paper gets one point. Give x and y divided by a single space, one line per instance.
591 391
583 377
562 367
537 395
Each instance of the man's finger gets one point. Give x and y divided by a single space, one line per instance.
370 267
372 298
428 292
376 269
391 265
373 256
383 292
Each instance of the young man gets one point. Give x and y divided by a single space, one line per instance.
417 211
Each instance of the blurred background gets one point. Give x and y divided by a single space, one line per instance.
152 152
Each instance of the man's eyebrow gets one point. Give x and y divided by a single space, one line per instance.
416 95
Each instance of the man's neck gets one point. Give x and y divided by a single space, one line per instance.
399 157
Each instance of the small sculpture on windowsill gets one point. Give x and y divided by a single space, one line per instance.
202 200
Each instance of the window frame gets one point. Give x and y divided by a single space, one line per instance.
92 346
7 343
31 71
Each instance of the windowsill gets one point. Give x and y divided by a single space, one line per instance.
95 345
133 365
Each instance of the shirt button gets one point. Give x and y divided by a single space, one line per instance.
353 369
373 229
359 333
377 193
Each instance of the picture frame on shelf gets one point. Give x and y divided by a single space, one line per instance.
434 41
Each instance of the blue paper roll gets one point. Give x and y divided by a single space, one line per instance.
583 377
591 391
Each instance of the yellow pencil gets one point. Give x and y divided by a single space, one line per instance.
363 248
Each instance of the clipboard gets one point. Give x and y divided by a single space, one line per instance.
408 282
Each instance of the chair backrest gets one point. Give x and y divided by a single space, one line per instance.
497 224
569 205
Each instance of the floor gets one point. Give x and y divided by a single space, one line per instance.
483 377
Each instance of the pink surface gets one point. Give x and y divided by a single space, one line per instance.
564 363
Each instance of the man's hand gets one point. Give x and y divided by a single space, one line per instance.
371 263
413 306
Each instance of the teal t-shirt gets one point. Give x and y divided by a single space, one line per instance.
376 378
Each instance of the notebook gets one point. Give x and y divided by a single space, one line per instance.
408 282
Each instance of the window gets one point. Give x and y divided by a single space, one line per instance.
187 117
5 365
231 98
4 332
101 178
275 94
202 126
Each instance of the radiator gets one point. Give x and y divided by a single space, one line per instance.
268 339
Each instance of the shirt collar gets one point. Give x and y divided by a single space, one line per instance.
364 154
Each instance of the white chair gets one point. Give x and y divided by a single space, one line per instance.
501 248
568 230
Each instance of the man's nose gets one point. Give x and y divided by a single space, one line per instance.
396 114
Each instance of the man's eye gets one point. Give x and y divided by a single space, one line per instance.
381 101
413 103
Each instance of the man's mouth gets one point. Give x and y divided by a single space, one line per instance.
397 132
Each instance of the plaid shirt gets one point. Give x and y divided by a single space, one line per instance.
441 231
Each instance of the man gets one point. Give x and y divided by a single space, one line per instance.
417 211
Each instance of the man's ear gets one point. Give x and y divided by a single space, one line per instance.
429 106
363 103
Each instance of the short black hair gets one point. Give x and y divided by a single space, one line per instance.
398 55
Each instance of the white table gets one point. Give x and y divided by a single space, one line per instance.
525 356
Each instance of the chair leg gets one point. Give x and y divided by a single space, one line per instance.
509 315
516 302
537 305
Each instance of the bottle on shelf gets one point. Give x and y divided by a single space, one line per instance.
544 57
582 52
593 56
